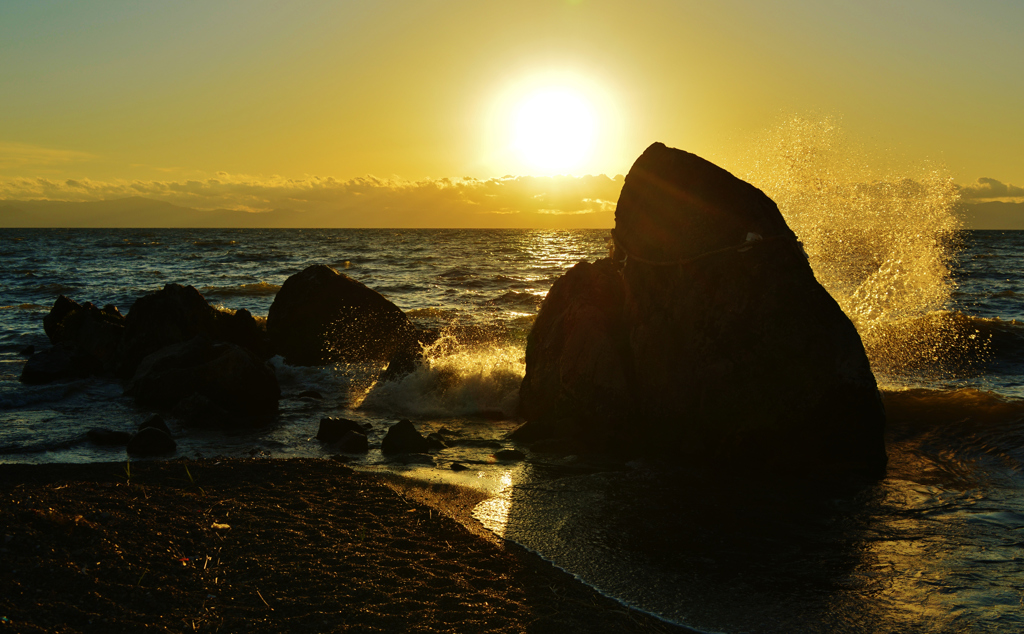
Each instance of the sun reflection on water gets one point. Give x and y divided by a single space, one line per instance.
493 513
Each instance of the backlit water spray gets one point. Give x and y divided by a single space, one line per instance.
882 244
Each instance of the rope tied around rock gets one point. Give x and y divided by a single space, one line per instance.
747 244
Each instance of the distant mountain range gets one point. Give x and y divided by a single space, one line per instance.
138 212
134 212
994 215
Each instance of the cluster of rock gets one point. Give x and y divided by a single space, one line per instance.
176 353
403 442
705 335
348 436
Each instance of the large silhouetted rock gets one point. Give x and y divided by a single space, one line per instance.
577 354
320 316
172 315
93 333
176 314
705 335
208 382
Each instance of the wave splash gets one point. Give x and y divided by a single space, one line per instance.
459 377
882 244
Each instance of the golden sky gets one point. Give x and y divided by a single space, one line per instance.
261 105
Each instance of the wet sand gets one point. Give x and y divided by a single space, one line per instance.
269 545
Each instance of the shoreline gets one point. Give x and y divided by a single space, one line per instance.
299 545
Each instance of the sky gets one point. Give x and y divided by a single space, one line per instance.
520 113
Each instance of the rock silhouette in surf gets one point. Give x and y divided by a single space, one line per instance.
176 314
402 437
208 382
88 340
85 341
93 332
322 316
705 334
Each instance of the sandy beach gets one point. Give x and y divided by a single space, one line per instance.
269 545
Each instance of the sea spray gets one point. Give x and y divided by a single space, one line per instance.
455 378
882 244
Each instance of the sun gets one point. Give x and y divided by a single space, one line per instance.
555 122
554 130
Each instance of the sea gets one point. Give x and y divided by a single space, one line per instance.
935 546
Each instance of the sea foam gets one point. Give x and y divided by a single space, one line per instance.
455 379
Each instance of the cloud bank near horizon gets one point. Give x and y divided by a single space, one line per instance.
990 189
245 201
521 201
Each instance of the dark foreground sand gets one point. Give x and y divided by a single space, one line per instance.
267 546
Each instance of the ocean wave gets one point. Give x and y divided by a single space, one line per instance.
929 407
128 243
258 289
42 446
521 299
432 313
1007 337
455 381
457 274
258 256
963 434
214 243
398 288
53 288
27 396
28 306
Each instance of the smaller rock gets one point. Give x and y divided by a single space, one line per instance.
334 429
437 441
242 329
216 382
93 333
509 455
402 437
151 442
353 442
459 467
310 394
28 351
52 321
108 437
156 421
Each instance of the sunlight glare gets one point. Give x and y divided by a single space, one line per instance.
548 123
554 129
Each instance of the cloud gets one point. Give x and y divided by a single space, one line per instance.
991 188
22 155
369 201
